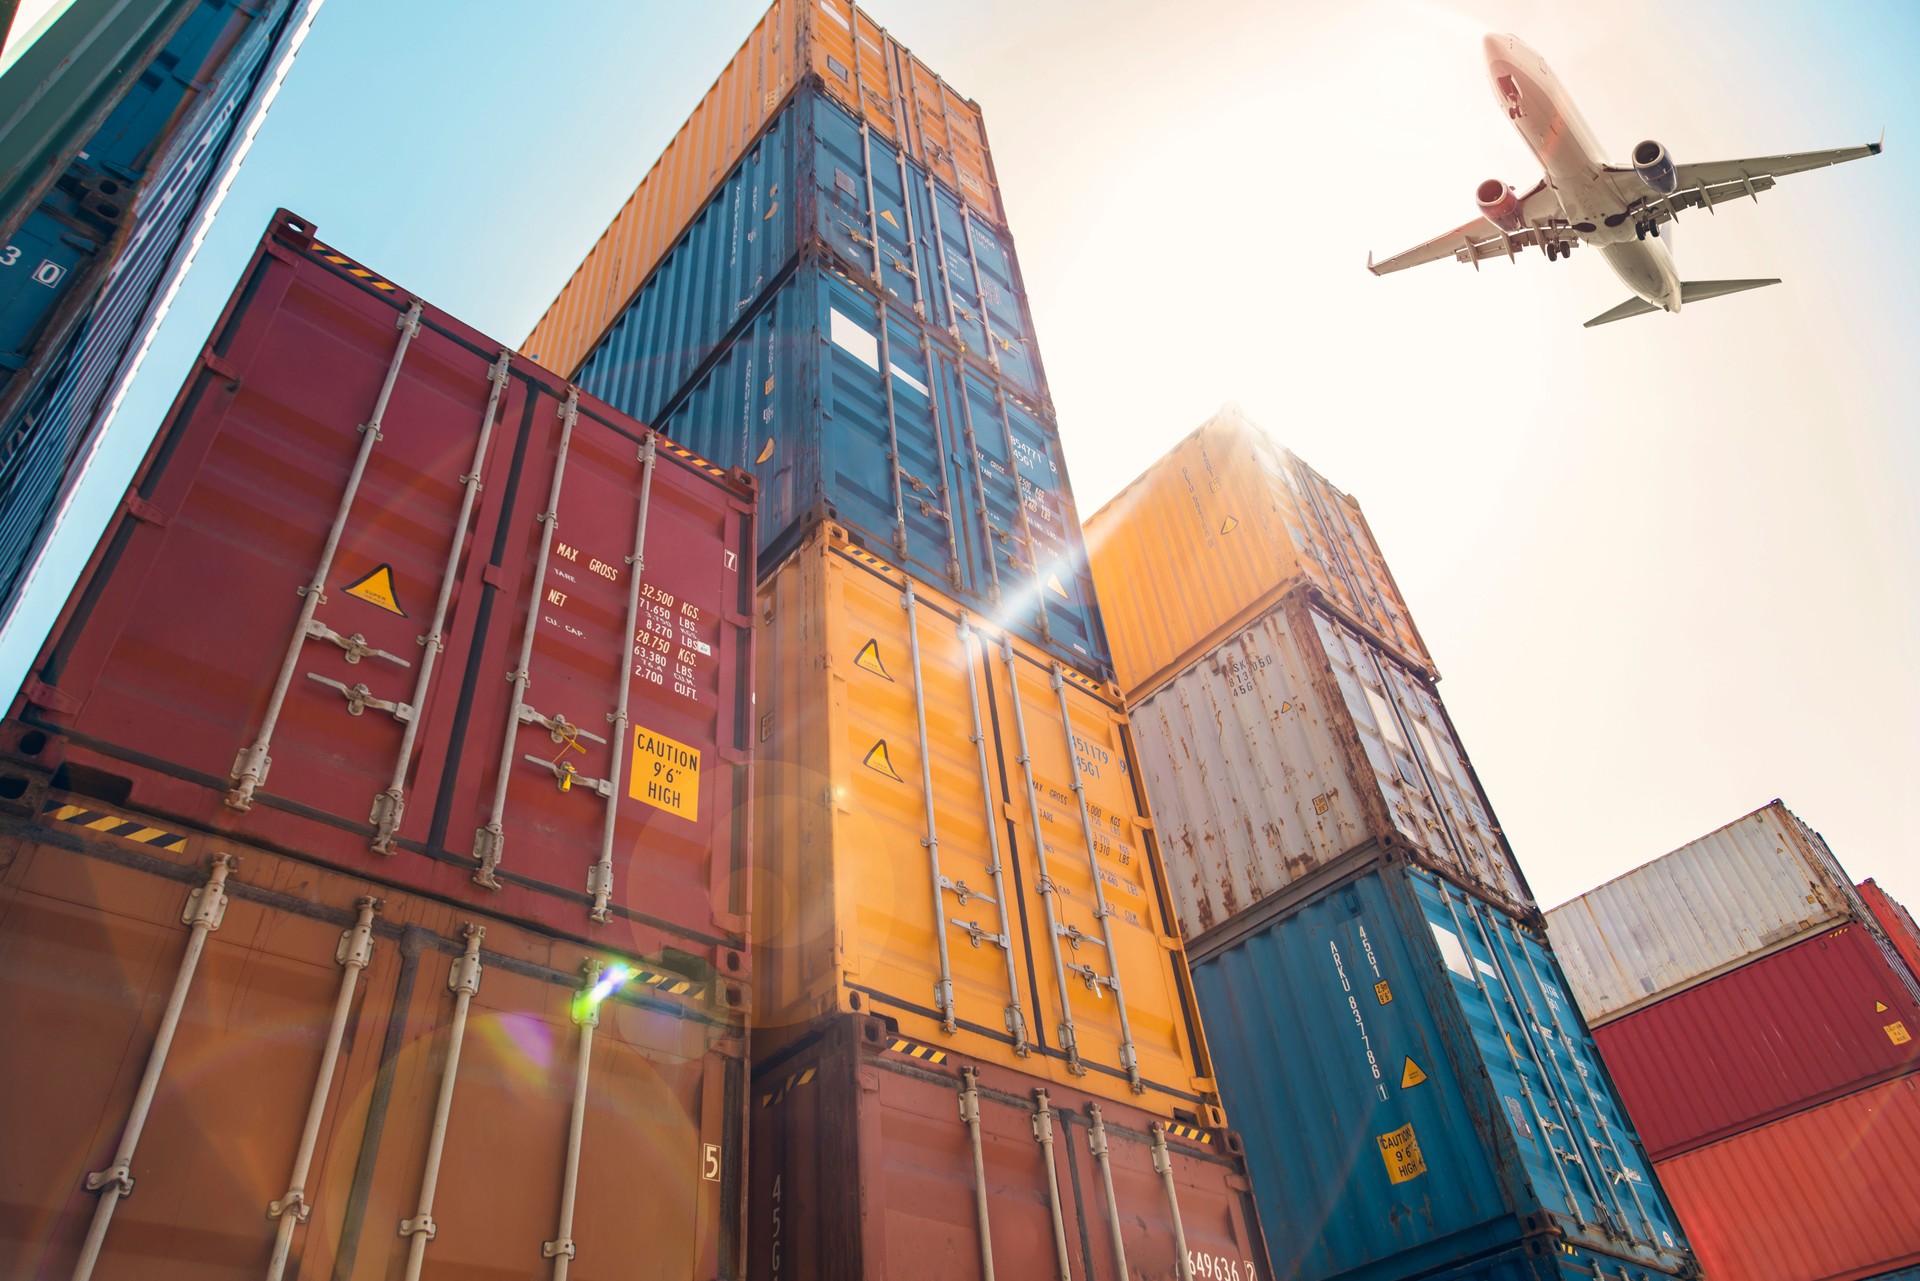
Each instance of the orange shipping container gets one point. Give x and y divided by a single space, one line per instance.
106 914
954 841
855 62
1213 535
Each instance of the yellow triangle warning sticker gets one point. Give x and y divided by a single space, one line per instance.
377 589
1053 585
1411 1075
1228 525
1879 1007
888 215
766 451
772 209
869 658
878 761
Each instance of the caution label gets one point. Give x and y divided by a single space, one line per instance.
665 774
377 589
1411 1075
1382 993
1897 1033
1879 1007
879 761
1054 586
1228 525
868 659
1401 1151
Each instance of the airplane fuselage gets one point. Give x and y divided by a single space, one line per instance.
1593 198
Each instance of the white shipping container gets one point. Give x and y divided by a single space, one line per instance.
1751 888
1297 742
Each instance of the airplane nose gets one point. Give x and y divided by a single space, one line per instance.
1495 45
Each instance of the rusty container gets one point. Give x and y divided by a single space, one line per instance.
387 596
1213 535
875 1156
226 1062
1297 747
952 837
831 44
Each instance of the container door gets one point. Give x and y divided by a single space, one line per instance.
1110 973
604 753
1581 1159
35 270
1367 1132
973 289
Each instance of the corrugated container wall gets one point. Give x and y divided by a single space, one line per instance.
813 401
1213 535
1894 918
1756 885
1829 1193
950 835
54 412
1298 742
321 1001
1822 1018
877 1157
829 43
1415 1089
373 587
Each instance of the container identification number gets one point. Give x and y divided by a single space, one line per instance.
1359 1019
1218 1267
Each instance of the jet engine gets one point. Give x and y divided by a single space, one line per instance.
1498 203
1655 167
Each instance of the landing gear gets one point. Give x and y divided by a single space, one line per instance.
1558 249
1651 227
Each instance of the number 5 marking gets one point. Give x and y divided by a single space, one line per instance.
710 1162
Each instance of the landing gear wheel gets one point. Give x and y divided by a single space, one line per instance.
1640 230
1654 229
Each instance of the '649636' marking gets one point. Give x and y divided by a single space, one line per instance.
1218 1267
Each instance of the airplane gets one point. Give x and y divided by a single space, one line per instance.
1620 209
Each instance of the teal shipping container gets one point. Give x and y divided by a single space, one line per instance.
1419 1096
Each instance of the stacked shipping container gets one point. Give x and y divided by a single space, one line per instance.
1764 1026
396 634
1391 1032
90 258
976 1043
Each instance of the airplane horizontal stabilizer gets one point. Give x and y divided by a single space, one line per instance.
1701 290
1690 291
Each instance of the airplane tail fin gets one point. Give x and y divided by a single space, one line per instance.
1690 291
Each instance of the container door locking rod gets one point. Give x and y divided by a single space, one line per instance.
250 769
463 981
205 909
1163 1163
390 804
943 989
1043 1135
1016 1017
1097 1144
586 1013
353 954
1047 888
489 840
970 1113
1129 1056
600 875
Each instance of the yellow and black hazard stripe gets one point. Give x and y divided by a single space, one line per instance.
126 829
772 1097
915 1050
1192 1133
329 254
688 456
668 982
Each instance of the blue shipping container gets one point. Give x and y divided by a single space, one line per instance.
814 395
1416 1089
817 184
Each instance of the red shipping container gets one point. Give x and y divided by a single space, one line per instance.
875 1156
1796 1027
494 647
1829 1194
1897 921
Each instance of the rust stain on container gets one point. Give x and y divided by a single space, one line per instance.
855 61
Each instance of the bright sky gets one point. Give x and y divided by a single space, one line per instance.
1670 568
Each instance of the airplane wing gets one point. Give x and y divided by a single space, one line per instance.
1707 184
1479 238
